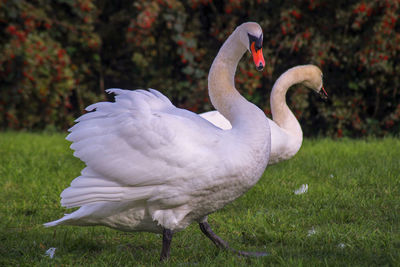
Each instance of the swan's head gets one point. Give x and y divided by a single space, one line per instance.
313 80
251 36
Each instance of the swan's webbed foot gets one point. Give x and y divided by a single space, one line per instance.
219 242
166 244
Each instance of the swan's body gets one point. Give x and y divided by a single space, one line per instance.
157 168
286 133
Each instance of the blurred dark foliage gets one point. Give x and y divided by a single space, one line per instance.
59 56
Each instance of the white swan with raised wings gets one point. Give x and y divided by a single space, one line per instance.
151 166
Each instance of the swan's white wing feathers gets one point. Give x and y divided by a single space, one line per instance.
283 144
140 147
217 119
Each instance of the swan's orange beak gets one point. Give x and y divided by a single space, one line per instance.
258 57
323 93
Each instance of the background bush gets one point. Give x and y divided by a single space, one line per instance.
59 56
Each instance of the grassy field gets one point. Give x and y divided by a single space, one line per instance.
350 215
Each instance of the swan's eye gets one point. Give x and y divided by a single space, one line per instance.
256 40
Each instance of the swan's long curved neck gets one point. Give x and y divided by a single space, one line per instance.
221 85
250 129
281 113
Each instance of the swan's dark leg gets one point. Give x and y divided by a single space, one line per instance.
166 244
219 242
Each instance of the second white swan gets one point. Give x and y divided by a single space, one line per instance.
286 133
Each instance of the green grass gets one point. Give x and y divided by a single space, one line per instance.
353 204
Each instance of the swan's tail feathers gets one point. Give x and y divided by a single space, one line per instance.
84 216
50 224
61 221
53 223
